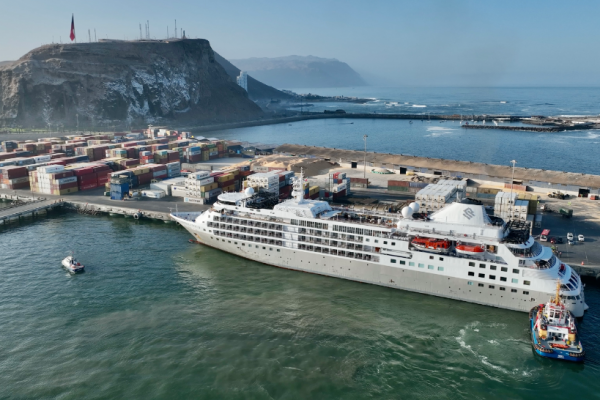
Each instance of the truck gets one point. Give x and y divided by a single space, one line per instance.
558 195
566 212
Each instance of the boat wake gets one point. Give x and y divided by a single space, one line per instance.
483 345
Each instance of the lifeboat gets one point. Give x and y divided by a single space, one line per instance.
433 245
469 249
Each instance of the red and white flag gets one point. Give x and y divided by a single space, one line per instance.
72 35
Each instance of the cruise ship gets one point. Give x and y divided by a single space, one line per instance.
458 252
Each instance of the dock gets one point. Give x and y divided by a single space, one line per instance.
90 203
31 208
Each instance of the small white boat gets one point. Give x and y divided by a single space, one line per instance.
72 265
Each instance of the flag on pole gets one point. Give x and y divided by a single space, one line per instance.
72 35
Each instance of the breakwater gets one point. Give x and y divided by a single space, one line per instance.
525 128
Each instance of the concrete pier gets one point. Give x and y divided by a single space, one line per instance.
29 209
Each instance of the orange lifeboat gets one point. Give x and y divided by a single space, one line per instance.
469 249
433 245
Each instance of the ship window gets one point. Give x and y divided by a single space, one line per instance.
440 268
515 271
278 250
376 241
480 285
264 248
503 269
421 265
471 273
393 261
471 264
367 240
393 243
402 262
270 249
492 276
431 257
481 265
502 288
482 275
243 244
493 267
503 279
441 258
492 287
229 241
469 283
411 264
430 267
385 242
526 283
257 246
525 292
513 290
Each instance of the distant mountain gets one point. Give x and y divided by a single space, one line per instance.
5 63
256 90
300 71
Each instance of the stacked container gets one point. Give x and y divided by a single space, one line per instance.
435 196
173 169
14 177
505 206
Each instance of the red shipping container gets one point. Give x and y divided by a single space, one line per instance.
144 179
13 172
57 155
64 186
103 180
87 177
83 171
60 175
88 186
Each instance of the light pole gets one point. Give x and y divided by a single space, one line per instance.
365 158
513 162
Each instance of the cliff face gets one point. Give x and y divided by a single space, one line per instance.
119 82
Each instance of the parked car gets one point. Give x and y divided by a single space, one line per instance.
571 242
581 238
553 240
559 240
569 236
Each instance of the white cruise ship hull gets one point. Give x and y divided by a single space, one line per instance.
377 273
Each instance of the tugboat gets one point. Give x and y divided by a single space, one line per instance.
72 265
553 331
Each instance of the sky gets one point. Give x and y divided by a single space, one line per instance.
394 43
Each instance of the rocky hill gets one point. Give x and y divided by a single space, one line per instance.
300 72
121 82
256 89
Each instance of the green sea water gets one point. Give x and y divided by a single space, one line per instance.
155 317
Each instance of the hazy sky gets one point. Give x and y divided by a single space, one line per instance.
424 42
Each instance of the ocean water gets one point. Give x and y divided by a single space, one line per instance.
573 151
156 317
465 100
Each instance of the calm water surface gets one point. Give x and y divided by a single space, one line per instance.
156 317
573 151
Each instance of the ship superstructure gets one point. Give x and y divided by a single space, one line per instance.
458 252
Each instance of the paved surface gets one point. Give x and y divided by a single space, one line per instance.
585 221
25 208
95 196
